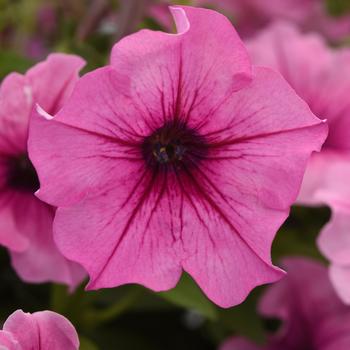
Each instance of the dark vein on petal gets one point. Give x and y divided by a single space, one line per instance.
193 205
249 138
220 213
128 224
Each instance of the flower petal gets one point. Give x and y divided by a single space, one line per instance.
59 72
132 228
180 71
326 179
305 296
9 235
156 225
94 150
41 261
319 82
15 106
340 277
261 149
7 342
157 76
334 240
282 47
42 330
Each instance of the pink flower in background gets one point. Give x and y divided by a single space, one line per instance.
44 330
36 45
159 11
307 14
47 18
35 48
25 221
321 76
334 242
313 316
252 15
178 156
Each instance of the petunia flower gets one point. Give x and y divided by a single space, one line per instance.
321 76
25 221
179 155
44 330
312 315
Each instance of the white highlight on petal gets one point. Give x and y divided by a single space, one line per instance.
180 18
42 113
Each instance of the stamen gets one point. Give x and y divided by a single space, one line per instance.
173 145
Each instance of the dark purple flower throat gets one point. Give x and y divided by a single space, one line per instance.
173 146
21 174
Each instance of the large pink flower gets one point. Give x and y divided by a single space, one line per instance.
44 330
321 76
313 316
25 221
179 155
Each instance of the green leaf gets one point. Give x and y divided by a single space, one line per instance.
243 319
338 7
188 295
13 62
299 233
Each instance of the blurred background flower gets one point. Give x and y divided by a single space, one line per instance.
305 310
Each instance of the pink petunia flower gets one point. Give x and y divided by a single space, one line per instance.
321 76
179 155
312 314
25 221
44 330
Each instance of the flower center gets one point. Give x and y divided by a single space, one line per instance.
21 174
168 153
174 145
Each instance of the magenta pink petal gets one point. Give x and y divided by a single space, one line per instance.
41 261
15 106
312 315
340 277
42 330
9 235
326 178
135 245
58 73
334 240
107 143
7 342
308 304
